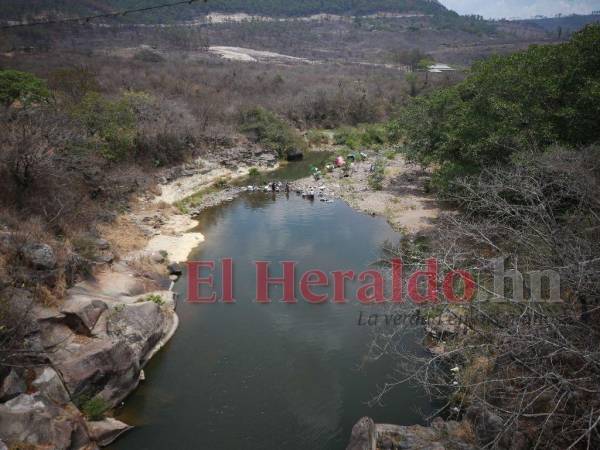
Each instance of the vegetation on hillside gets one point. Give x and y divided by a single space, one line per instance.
16 9
21 86
527 101
515 150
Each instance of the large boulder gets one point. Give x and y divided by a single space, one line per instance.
40 256
295 155
91 366
51 386
108 363
33 420
140 325
487 425
364 435
105 432
11 386
82 312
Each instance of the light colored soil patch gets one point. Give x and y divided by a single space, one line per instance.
185 187
176 239
177 247
250 55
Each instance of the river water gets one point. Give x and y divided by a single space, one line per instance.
254 376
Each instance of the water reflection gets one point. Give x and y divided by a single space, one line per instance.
269 376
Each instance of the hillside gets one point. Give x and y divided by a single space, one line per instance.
564 24
17 10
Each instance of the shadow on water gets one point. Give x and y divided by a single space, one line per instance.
277 375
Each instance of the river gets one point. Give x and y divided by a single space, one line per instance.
270 376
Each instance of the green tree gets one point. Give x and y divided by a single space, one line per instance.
22 86
272 132
546 95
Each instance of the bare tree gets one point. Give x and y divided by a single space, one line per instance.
525 373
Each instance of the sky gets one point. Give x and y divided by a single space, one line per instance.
521 8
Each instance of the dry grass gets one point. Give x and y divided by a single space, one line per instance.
45 296
124 235
464 432
145 265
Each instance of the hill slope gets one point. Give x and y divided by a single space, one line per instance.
19 10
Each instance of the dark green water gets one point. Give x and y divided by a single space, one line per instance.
292 171
273 376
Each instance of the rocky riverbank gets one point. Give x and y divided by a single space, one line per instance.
441 435
86 353
90 349
90 352
402 198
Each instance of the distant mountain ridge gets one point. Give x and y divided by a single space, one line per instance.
19 10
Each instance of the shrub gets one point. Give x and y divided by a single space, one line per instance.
22 86
374 135
360 137
110 125
377 176
390 154
317 137
74 82
222 183
349 137
161 148
155 298
95 408
267 129
147 55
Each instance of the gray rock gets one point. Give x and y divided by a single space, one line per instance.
102 244
110 364
157 257
487 425
12 386
175 269
32 419
140 326
3 445
51 386
106 431
387 443
40 256
106 258
54 334
363 435
83 312
97 366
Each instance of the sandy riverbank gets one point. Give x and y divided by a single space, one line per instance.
403 200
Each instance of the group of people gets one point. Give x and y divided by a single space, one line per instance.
278 186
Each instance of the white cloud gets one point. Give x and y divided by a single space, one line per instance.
522 8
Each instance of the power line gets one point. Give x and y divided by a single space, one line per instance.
99 16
